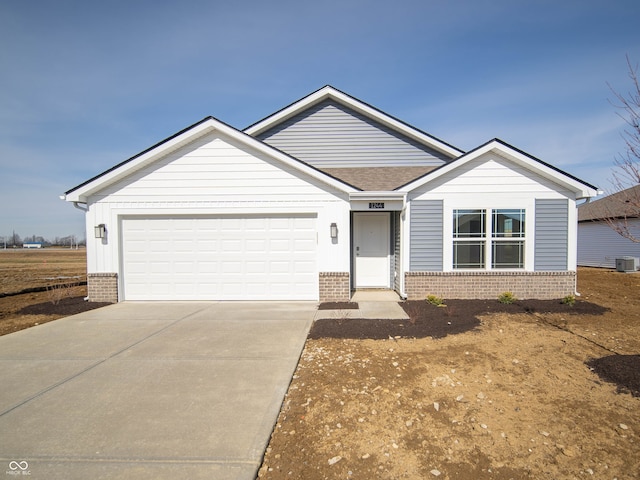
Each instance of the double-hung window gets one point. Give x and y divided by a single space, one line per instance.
488 238
469 238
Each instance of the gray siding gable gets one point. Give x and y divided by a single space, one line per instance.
551 237
426 236
331 135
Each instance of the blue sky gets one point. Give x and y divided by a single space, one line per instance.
85 85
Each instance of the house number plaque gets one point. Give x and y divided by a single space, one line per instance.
376 205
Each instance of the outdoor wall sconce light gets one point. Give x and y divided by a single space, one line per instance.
100 231
334 230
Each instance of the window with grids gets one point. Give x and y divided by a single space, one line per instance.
483 238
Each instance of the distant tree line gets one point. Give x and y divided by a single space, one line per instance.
16 241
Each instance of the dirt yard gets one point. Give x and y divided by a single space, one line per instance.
504 395
62 274
535 390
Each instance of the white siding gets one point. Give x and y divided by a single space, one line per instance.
214 168
216 176
491 174
599 245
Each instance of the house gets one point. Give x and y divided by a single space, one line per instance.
598 244
325 196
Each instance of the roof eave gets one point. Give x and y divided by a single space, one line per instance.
82 192
581 188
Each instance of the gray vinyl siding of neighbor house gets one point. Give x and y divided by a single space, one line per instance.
599 245
551 237
426 236
330 135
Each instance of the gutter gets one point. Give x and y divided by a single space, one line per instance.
76 204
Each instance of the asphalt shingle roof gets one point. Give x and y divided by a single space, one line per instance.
378 178
625 203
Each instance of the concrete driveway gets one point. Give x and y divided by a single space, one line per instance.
148 390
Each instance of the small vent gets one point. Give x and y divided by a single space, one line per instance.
626 264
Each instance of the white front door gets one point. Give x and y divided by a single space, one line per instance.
371 249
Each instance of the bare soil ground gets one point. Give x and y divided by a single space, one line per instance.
474 390
521 392
61 272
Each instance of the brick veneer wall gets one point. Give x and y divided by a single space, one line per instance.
102 287
334 287
470 285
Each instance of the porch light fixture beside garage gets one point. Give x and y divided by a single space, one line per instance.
334 231
100 231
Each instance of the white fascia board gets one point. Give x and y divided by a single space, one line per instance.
392 201
287 112
379 195
284 158
360 107
581 189
80 194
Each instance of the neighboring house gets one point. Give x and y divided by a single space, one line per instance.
323 197
598 244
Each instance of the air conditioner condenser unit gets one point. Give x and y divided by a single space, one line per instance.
627 264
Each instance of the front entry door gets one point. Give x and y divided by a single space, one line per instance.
371 249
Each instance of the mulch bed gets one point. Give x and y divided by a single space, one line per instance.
359 328
65 307
427 320
622 370
338 306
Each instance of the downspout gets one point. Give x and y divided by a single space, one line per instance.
84 209
402 293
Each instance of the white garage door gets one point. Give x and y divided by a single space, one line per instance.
221 258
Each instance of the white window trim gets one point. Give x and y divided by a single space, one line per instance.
529 246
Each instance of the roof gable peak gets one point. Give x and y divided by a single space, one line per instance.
81 192
512 155
329 92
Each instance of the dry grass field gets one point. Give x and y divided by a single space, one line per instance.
27 268
50 268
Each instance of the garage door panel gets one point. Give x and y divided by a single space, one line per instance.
159 268
280 245
185 267
220 258
205 266
257 246
279 267
257 267
232 246
206 290
258 224
206 244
